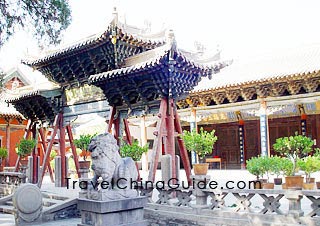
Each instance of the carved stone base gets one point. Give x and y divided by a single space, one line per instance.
123 212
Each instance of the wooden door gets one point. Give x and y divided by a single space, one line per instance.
228 144
252 147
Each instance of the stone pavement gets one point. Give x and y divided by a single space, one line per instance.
8 220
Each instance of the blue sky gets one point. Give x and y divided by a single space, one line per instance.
241 29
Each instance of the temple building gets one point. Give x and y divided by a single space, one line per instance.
251 104
125 75
12 122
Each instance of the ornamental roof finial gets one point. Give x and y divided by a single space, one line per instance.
115 16
170 38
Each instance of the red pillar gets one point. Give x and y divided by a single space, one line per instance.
129 140
111 118
49 148
62 141
127 131
73 148
157 144
25 136
170 146
35 154
44 148
8 132
182 149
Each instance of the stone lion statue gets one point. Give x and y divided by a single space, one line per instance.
108 164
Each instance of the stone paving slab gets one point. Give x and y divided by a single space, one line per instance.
8 220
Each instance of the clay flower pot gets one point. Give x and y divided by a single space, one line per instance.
294 182
201 168
308 186
277 181
84 164
24 161
268 185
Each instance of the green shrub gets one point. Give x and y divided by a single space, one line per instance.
201 143
83 143
3 152
25 147
293 147
287 167
255 166
276 163
134 150
309 164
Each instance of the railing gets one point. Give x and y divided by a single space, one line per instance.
248 205
12 178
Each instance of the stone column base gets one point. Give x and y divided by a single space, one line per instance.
123 212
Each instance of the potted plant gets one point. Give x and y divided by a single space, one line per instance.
293 147
266 165
317 154
276 168
287 170
309 164
83 143
24 148
134 151
3 155
254 166
202 144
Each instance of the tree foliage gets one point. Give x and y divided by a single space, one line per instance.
83 143
1 78
134 150
201 143
45 18
293 147
25 147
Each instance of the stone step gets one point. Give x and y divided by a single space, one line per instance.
50 202
53 196
9 203
6 209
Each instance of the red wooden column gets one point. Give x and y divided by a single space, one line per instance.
157 145
127 131
8 133
62 142
182 148
73 148
35 155
44 148
49 148
242 143
170 147
111 118
129 140
116 134
25 136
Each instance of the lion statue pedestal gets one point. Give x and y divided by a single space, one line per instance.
110 199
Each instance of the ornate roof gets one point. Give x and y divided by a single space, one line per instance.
8 111
37 105
288 73
72 65
162 72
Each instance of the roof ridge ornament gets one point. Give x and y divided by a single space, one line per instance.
115 16
171 39
171 42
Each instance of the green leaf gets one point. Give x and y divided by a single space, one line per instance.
134 150
201 143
